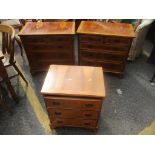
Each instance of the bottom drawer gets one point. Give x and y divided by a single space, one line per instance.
58 122
44 65
107 66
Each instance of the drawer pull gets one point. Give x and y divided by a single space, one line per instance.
89 105
57 113
86 123
88 115
56 103
60 46
59 122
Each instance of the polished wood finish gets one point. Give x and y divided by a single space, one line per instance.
48 43
47 28
105 44
74 81
106 28
74 95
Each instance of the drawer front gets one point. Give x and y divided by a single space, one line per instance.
73 103
100 48
63 113
51 55
107 66
91 39
45 39
101 56
73 123
106 40
37 47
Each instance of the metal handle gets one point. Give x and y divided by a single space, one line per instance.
87 123
57 113
89 105
88 115
56 103
59 121
60 46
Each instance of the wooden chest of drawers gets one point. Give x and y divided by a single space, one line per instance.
75 98
105 44
53 43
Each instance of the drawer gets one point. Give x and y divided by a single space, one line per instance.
43 65
73 123
73 103
90 39
45 39
107 65
101 56
37 47
101 47
116 40
51 55
104 40
72 113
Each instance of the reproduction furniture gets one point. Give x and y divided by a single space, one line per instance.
48 43
105 44
74 95
7 58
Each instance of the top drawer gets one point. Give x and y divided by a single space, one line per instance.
48 38
73 103
104 40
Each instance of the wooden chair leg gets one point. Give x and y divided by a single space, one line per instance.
11 90
153 77
19 72
20 45
6 107
3 103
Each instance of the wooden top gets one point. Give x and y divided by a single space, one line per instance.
42 28
78 81
106 28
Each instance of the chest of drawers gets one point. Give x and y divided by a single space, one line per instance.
105 44
76 99
53 43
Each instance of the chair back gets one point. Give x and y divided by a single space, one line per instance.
8 34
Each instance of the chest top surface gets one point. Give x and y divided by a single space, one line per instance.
42 28
74 81
106 28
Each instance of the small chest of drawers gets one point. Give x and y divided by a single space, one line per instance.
105 44
52 43
75 98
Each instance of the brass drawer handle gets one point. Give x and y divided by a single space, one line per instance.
60 46
56 103
87 123
88 115
59 122
89 105
89 46
57 113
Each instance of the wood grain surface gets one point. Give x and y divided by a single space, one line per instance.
74 81
42 28
106 28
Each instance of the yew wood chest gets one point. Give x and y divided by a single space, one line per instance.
48 43
74 95
105 44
